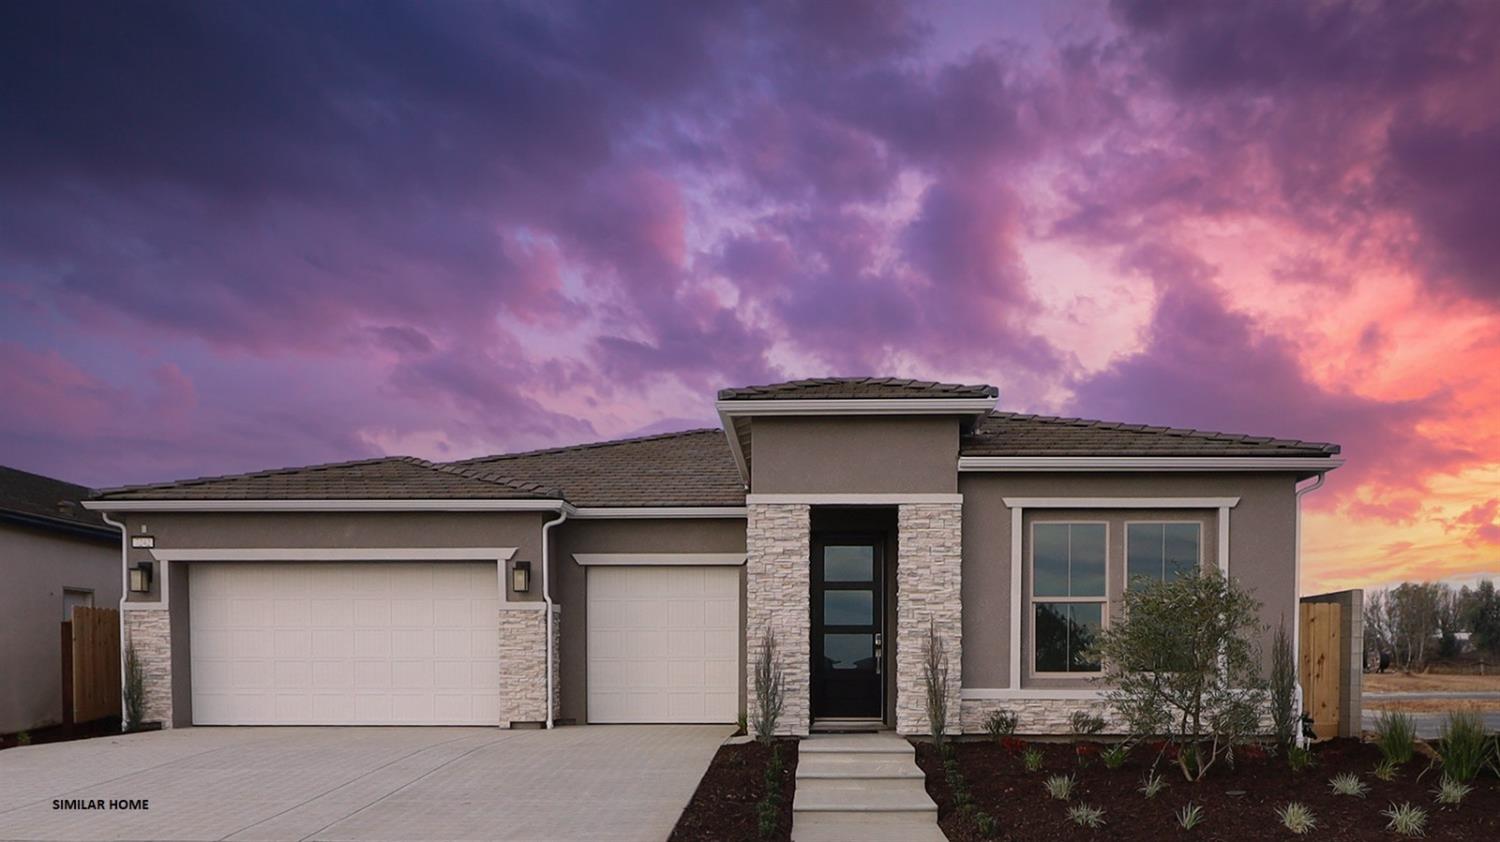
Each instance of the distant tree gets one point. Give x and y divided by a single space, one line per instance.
1413 609
1447 620
1380 636
1481 615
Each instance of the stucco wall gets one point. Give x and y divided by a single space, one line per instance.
570 588
1261 546
840 455
35 566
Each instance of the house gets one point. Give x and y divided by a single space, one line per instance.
54 555
632 581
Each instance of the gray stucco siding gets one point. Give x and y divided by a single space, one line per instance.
843 455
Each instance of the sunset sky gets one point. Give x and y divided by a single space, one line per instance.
246 235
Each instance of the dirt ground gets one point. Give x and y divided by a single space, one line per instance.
1433 705
724 809
1396 682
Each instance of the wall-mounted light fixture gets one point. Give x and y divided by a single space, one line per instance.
520 577
140 577
142 542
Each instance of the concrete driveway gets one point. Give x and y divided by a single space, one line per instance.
620 782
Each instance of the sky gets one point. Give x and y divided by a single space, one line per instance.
236 236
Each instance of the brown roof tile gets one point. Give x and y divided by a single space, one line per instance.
1013 434
856 388
387 478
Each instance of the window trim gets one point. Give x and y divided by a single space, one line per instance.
1031 599
1151 522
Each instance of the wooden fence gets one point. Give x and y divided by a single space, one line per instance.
1331 634
91 664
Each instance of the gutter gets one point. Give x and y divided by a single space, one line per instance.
124 593
562 515
1297 616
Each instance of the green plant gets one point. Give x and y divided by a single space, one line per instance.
1031 761
1086 724
988 827
999 724
1114 756
1406 819
133 688
1463 745
1283 688
1300 759
1297 817
743 723
1396 735
1348 783
1059 787
768 810
1451 792
935 678
1182 663
770 687
23 738
1385 770
1152 784
1085 815
1190 816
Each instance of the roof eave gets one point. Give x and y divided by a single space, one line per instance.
457 504
1299 464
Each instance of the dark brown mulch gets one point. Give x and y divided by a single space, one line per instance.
724 807
1003 788
63 733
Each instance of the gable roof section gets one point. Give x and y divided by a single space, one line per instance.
857 388
1014 434
691 468
47 502
387 478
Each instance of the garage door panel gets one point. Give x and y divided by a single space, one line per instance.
656 649
349 643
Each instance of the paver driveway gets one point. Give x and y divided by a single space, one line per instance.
605 782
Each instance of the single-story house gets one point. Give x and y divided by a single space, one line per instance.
633 580
54 554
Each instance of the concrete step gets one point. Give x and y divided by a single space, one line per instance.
871 796
866 827
856 743
856 765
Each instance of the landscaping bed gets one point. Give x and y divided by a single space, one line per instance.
725 808
1237 803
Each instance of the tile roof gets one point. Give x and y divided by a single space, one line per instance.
386 478
1013 434
33 496
857 388
691 468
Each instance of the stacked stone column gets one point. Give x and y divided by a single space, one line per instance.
523 664
777 597
928 602
149 631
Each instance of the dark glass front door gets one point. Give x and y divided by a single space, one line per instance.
848 629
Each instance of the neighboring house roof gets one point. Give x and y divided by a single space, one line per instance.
691 468
1013 434
387 478
857 388
45 501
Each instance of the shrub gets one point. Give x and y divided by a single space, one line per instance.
1385 770
770 688
23 738
1000 724
1013 745
1463 746
768 810
1300 759
1451 792
935 678
1114 756
1085 752
1085 815
1059 787
1086 724
1396 735
1283 688
1406 819
1183 665
1190 816
1152 784
1032 760
988 827
1297 817
134 688
1348 783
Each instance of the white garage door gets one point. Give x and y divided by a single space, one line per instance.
663 644
345 644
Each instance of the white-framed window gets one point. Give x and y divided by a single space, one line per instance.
1161 551
1069 595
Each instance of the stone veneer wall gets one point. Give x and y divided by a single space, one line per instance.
150 632
777 591
928 600
523 659
1046 717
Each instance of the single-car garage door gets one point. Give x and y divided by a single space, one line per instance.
663 644
373 643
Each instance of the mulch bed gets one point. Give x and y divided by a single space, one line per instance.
63 733
724 807
1001 787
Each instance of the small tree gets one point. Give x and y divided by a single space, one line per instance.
1182 666
134 689
770 688
1481 614
935 676
1283 690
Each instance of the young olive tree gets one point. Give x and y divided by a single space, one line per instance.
1182 665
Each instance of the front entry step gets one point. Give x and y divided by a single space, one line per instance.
861 788
862 827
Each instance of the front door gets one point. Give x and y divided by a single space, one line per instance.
848 628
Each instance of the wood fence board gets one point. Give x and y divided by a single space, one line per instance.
1321 673
96 663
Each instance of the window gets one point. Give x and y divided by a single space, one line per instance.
1161 552
1068 563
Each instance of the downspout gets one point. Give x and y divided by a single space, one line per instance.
124 592
1297 605
562 515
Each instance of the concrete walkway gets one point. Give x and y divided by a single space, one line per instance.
580 783
861 788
